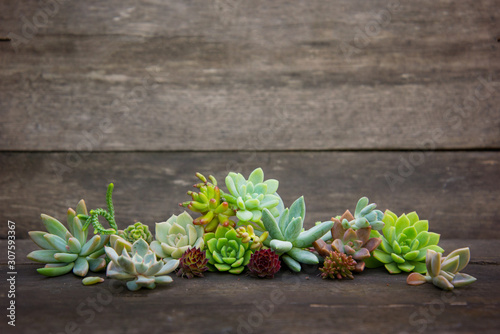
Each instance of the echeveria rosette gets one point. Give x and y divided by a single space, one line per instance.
64 250
443 272
250 197
364 215
175 236
287 238
208 201
193 263
139 267
264 263
226 252
356 243
135 232
405 242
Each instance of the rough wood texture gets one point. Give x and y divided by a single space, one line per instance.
241 75
221 303
456 191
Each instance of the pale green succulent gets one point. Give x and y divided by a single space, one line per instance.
287 238
135 231
443 272
365 215
175 236
139 267
250 197
64 250
404 244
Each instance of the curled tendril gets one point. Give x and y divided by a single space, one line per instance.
109 215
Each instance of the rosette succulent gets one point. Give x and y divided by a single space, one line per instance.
135 232
64 250
226 252
337 266
356 243
443 272
247 235
250 197
193 263
286 236
264 263
365 215
175 236
139 268
209 203
404 244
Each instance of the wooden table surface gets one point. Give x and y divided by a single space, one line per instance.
395 100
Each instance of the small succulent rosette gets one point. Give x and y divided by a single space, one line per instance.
175 236
66 250
287 238
209 202
264 263
136 231
227 252
405 242
443 272
356 243
250 197
139 267
338 265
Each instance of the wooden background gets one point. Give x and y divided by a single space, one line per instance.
395 100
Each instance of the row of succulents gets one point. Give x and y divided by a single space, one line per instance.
244 228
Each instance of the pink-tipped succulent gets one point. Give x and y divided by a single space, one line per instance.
337 266
356 243
264 263
193 263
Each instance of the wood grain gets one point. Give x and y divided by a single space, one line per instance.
456 191
235 75
224 303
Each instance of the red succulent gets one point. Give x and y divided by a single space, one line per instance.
338 265
264 263
192 263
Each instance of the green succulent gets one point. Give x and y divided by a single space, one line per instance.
405 242
209 203
135 232
139 267
365 215
109 215
247 235
286 236
227 252
250 197
175 236
64 250
443 272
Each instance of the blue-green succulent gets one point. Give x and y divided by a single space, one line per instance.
288 238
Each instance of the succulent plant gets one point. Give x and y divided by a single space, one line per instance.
175 236
264 263
226 252
247 235
140 267
337 266
443 272
109 215
193 263
64 250
135 232
365 215
209 203
286 236
356 243
250 197
404 244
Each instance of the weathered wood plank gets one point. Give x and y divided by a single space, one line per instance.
291 303
456 191
205 75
